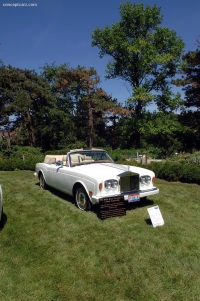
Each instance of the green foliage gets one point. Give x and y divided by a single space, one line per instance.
184 169
143 54
191 78
190 81
156 152
25 151
25 100
191 158
176 171
191 135
147 57
82 106
163 131
158 130
118 154
21 158
28 163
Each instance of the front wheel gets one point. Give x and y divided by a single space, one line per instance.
82 199
43 184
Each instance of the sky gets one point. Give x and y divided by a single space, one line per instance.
60 32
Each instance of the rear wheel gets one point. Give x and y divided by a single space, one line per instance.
82 199
43 184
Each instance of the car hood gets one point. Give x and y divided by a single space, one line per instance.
110 170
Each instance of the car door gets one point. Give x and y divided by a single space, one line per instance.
59 176
49 172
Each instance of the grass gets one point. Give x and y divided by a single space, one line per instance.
50 250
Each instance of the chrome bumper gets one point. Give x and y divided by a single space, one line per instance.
143 193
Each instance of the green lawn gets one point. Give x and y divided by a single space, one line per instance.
50 250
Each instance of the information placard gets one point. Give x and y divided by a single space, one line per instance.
111 206
155 216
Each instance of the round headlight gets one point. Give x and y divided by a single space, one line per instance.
148 179
114 183
108 184
111 183
145 180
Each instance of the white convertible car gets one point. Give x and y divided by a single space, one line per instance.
91 175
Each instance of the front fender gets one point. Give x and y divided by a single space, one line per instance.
39 174
89 187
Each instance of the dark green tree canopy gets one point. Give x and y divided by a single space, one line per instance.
23 96
191 78
77 91
190 81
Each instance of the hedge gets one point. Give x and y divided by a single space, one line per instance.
169 170
12 164
183 171
176 171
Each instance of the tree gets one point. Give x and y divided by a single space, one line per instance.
165 132
191 78
77 91
87 80
143 54
61 128
23 96
190 81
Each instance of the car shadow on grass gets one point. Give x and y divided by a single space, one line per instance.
95 208
142 203
3 221
60 194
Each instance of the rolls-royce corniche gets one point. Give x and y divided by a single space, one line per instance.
92 175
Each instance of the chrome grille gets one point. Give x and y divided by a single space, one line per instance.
129 182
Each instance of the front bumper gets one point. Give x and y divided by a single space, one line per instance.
145 193
142 193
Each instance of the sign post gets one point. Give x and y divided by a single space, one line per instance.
155 216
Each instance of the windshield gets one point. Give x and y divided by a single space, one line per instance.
88 157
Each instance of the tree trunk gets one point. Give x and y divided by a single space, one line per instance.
91 121
29 127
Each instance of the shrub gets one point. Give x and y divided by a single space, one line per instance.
171 171
193 158
176 171
118 154
191 173
11 164
155 152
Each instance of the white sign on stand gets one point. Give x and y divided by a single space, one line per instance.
155 216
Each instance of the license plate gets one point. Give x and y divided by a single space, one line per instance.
133 198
